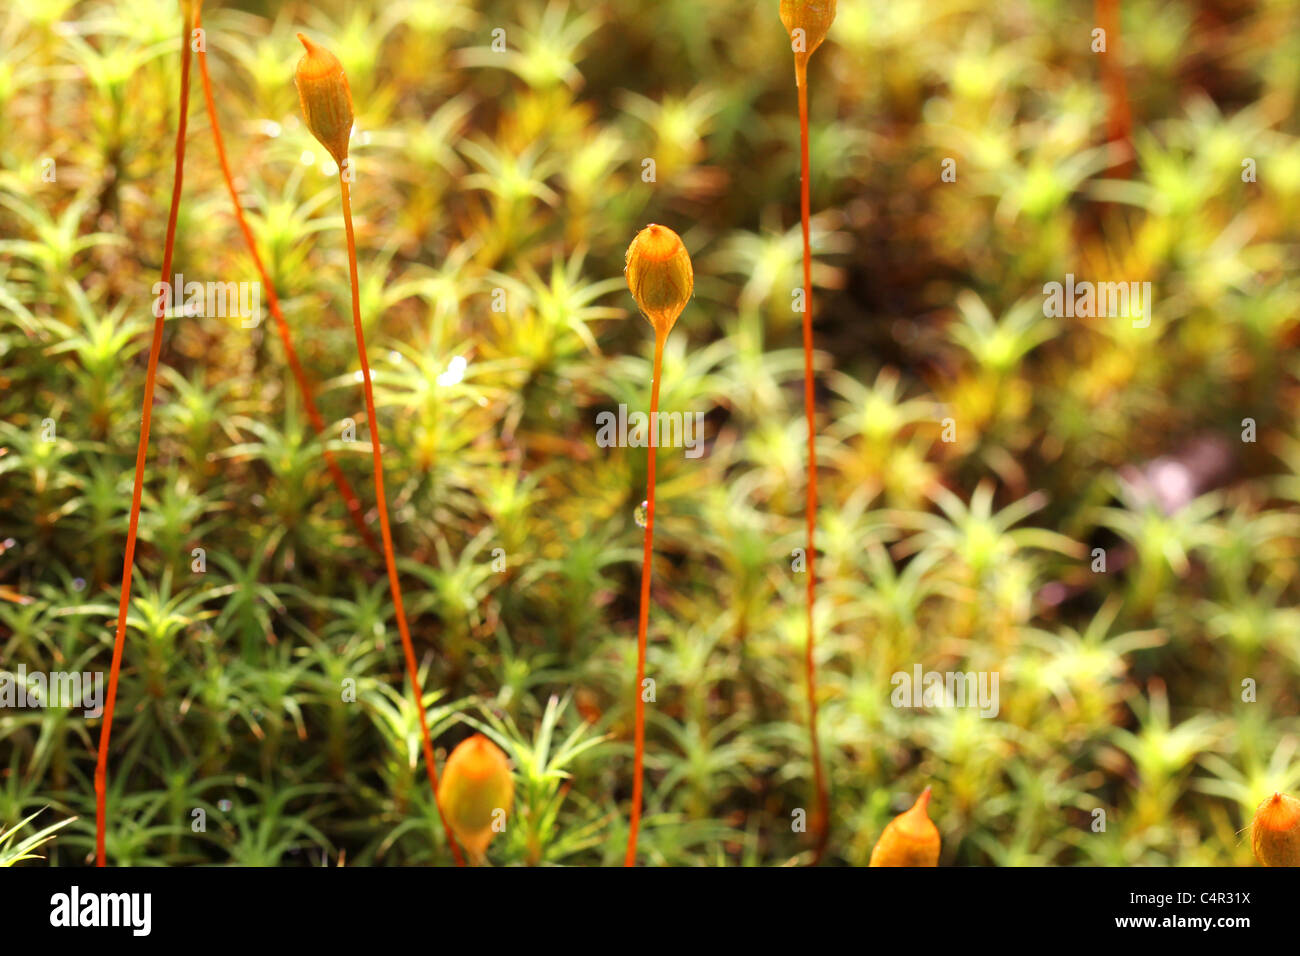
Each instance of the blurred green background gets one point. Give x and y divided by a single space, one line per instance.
522 171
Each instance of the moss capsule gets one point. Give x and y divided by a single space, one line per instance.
325 97
1275 831
813 17
660 276
910 839
476 792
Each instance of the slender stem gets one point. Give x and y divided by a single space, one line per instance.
821 820
350 499
141 453
385 530
1119 118
638 760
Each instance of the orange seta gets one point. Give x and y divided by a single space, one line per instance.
327 106
142 451
1119 118
350 499
808 22
661 279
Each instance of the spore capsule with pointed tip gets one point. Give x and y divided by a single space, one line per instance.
910 839
1275 831
326 98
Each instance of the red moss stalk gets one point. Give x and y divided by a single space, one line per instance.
647 557
661 278
350 499
327 105
389 560
142 451
1119 120
807 22
821 821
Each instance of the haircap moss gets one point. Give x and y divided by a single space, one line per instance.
325 97
660 276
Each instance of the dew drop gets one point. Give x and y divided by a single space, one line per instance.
78 584
642 510
455 372
224 806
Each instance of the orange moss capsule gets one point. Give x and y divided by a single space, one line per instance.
476 792
813 18
910 839
1275 831
326 98
660 276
